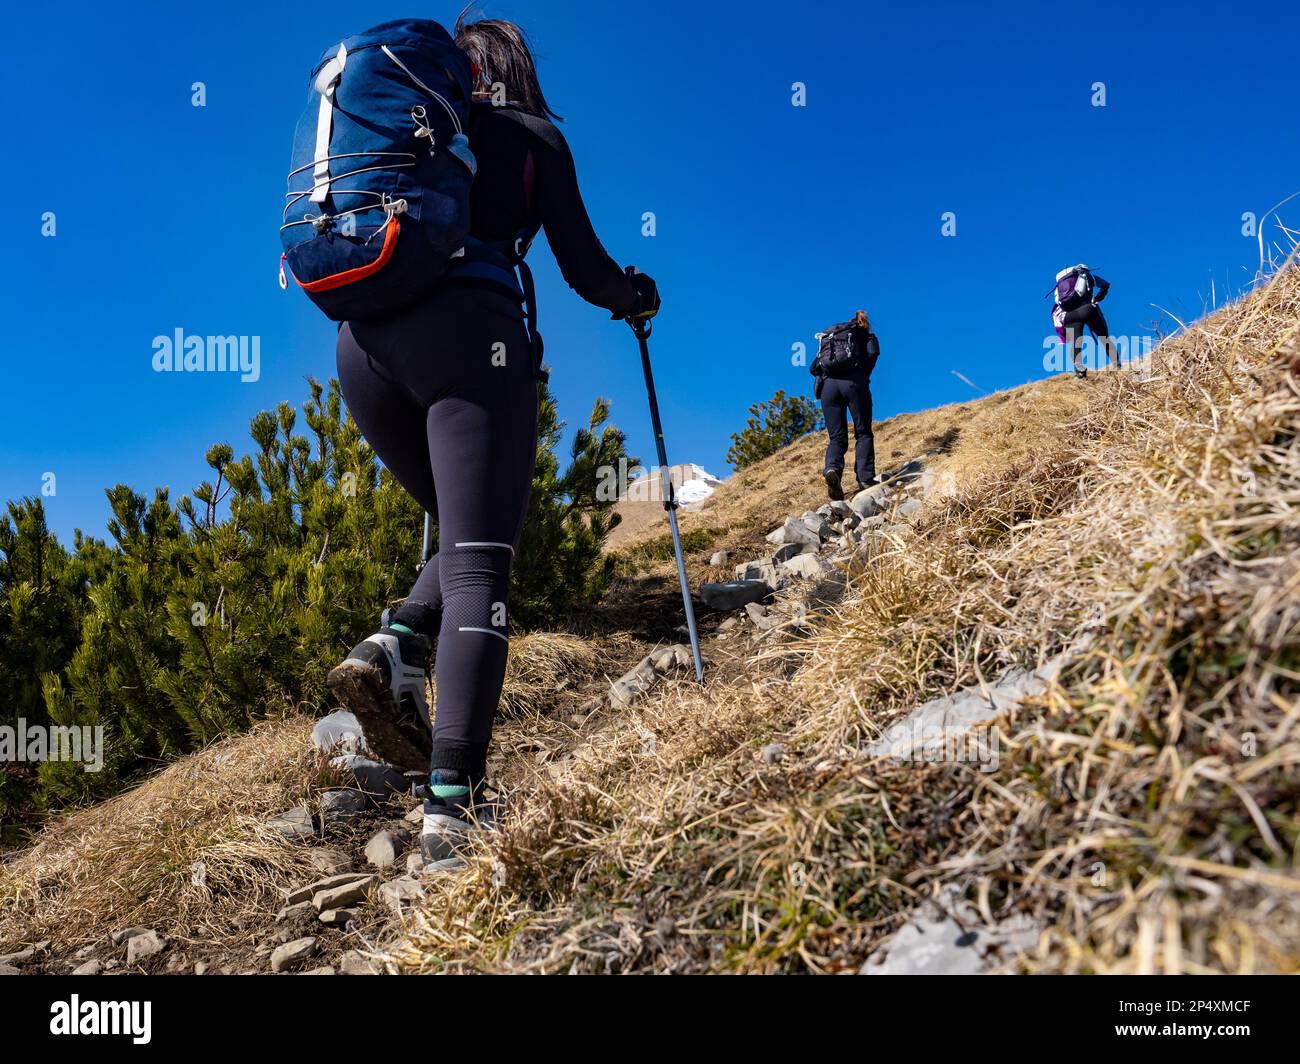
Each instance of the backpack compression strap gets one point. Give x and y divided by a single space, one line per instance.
326 82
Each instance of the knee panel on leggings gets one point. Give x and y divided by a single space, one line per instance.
475 579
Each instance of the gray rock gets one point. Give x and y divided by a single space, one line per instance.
9 969
719 558
295 824
772 753
677 656
383 850
798 530
118 937
763 570
805 566
416 865
817 523
298 908
933 942
324 970
871 501
401 892
792 550
339 733
729 624
328 861
342 805
908 509
91 967
415 816
759 615
342 896
293 954
734 594
841 509
310 890
354 962
84 952
376 778
201 968
932 731
339 917
22 956
447 864
138 947
633 684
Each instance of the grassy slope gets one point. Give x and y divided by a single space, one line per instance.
1144 809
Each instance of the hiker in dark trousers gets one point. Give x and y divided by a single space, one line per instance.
446 393
845 359
1079 292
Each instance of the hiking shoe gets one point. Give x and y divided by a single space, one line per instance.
450 813
383 681
833 487
1081 372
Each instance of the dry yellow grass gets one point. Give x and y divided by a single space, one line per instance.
975 438
132 861
1145 809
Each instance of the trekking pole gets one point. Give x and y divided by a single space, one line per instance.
387 614
642 331
428 540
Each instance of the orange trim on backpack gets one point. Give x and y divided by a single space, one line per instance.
357 273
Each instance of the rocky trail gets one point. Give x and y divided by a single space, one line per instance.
1027 706
363 840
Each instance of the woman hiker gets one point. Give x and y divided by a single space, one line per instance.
446 393
843 366
1078 295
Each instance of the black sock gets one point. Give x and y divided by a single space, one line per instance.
420 617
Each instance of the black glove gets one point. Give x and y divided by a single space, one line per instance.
647 297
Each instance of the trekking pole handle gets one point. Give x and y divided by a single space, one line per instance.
640 326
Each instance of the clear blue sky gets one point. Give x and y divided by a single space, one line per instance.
773 221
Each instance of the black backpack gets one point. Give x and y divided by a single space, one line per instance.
839 356
837 353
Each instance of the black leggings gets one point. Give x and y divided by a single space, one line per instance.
840 398
446 395
1089 316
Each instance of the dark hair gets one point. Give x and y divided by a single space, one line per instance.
499 54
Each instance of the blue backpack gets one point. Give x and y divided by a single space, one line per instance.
377 207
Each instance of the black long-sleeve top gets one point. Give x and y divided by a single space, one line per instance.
526 178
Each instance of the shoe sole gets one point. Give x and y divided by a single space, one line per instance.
401 739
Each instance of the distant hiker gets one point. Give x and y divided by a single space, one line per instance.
1077 294
845 359
445 389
